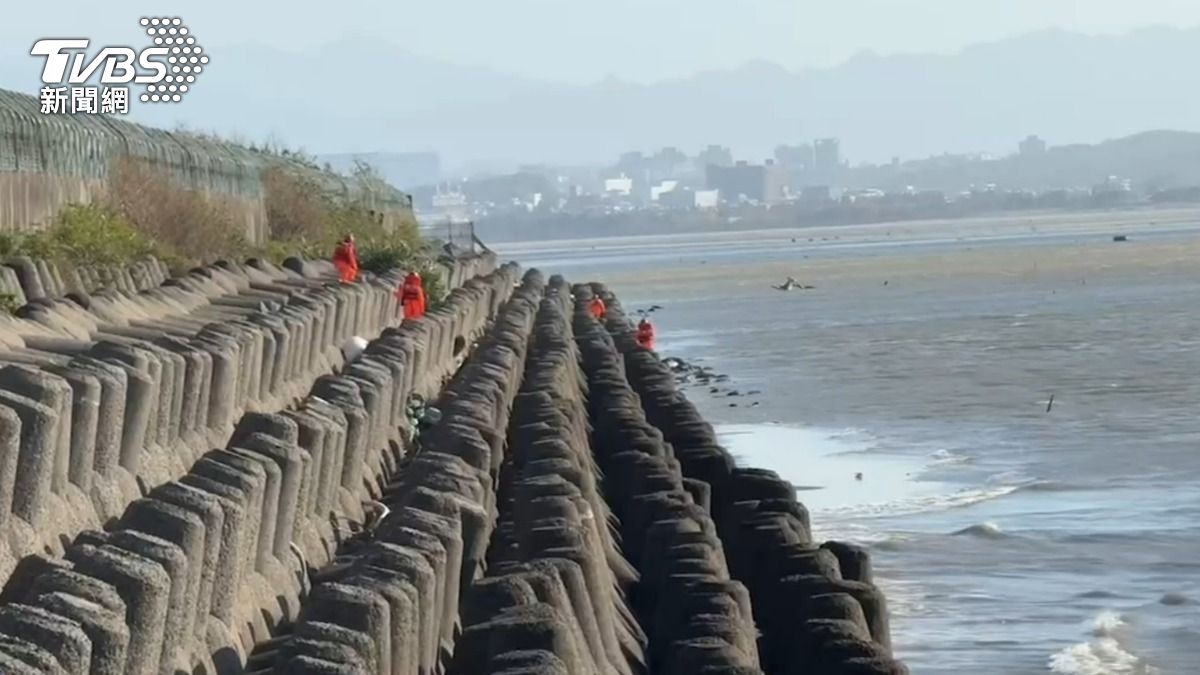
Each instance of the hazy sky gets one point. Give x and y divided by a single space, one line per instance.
586 40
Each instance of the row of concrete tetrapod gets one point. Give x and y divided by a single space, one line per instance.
390 601
553 601
816 606
27 279
201 568
100 403
697 619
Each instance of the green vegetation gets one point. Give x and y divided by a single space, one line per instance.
9 303
308 211
83 234
310 218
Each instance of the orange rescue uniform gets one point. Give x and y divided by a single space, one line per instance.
345 259
645 335
412 296
596 308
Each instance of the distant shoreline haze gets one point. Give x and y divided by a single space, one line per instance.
684 224
1065 87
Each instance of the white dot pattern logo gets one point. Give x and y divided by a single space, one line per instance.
170 35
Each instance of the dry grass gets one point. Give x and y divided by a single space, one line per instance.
295 209
185 222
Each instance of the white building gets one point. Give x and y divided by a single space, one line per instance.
708 199
450 206
622 186
665 186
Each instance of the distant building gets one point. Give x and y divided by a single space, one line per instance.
622 186
776 180
450 206
815 194
763 183
827 162
869 194
798 159
670 156
1032 146
707 199
678 198
714 155
631 162
659 190
1113 184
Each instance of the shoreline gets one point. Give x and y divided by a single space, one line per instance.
824 467
1075 221
901 336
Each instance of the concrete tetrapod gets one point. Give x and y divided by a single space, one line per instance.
175 558
792 581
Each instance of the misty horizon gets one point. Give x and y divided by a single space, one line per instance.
1066 85
352 38
623 39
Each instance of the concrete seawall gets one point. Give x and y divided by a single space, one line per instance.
563 510
815 606
183 524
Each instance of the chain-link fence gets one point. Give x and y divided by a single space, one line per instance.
48 161
458 234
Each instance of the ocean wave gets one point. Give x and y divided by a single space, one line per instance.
988 530
914 505
944 457
1106 654
1053 486
890 543
1097 595
852 441
858 534
1107 623
852 434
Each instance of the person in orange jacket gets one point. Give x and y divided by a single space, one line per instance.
345 259
645 335
412 296
596 308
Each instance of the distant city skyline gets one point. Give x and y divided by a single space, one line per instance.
810 182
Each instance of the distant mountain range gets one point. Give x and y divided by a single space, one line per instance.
359 96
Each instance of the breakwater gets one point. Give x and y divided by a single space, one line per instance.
563 510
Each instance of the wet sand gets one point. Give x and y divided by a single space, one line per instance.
1114 222
1068 259
825 471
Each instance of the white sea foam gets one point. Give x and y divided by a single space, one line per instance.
920 504
943 457
856 533
1105 654
1107 623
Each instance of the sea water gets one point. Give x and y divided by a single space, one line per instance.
1007 538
